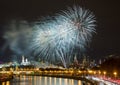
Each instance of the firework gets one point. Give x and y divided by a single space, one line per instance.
56 38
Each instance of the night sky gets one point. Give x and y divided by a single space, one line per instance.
105 42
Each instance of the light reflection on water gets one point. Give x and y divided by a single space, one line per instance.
40 80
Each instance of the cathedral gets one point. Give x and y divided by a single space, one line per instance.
25 61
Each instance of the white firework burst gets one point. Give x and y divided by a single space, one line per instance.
56 38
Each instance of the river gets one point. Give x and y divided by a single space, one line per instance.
41 80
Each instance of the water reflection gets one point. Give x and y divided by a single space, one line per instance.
39 80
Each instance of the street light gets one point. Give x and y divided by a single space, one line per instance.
104 73
115 74
94 72
99 72
90 71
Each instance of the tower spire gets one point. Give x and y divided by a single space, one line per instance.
23 59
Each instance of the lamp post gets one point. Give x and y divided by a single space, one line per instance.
115 74
99 73
104 73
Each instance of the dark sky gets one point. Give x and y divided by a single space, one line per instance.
107 12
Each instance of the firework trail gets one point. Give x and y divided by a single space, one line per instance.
56 38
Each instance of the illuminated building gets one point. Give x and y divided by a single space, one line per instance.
25 61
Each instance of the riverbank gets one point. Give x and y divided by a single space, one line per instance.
72 74
5 77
